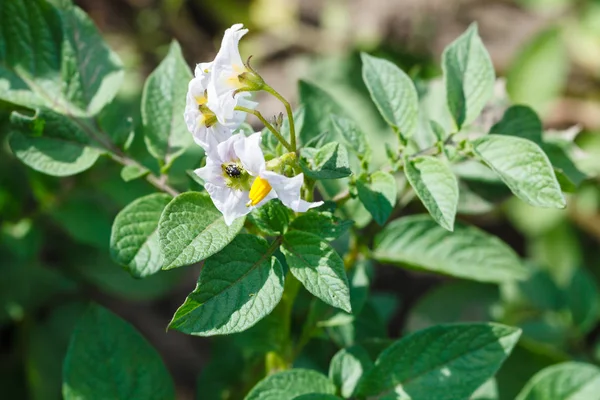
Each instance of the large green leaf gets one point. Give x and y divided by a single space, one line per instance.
52 143
288 385
418 242
393 92
570 380
318 266
347 367
469 76
108 359
134 237
192 229
237 287
442 362
539 72
163 103
378 193
319 106
55 57
436 185
91 72
524 168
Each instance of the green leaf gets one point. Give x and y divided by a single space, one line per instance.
91 72
378 193
520 121
355 138
323 224
134 237
570 380
318 266
347 367
418 242
317 396
55 57
567 173
393 92
523 167
108 359
454 301
288 385
539 72
319 106
436 185
583 299
272 218
51 143
329 162
163 103
442 362
192 229
237 287
468 75
132 172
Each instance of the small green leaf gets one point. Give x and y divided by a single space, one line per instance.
418 242
237 287
524 168
318 266
163 103
378 193
192 229
442 362
51 143
272 218
567 173
133 171
347 367
108 359
520 121
469 76
570 380
329 162
134 237
436 185
288 385
354 137
323 224
393 92
438 130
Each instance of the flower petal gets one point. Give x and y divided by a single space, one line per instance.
288 190
231 203
250 154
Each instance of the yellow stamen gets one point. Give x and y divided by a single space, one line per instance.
259 190
201 100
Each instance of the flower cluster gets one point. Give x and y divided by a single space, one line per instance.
236 175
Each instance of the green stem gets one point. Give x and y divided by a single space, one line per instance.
288 110
270 127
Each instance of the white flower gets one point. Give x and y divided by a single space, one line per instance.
200 120
224 80
237 180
